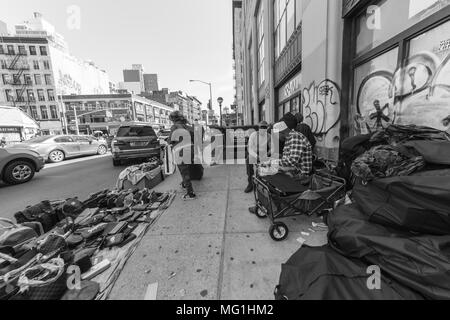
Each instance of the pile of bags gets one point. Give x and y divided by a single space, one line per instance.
52 238
398 224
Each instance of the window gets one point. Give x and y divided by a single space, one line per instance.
32 50
51 95
36 64
5 78
46 65
54 112
262 112
260 35
394 17
16 79
2 50
44 113
28 80
409 86
41 96
19 95
48 79
143 131
4 65
34 113
64 140
22 50
9 96
11 50
38 79
287 17
43 50
30 95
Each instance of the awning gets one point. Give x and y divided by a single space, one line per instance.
14 117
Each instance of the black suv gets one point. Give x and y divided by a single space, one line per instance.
135 141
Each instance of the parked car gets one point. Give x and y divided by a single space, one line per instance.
58 148
19 166
135 141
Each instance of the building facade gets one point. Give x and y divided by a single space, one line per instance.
107 112
238 57
27 80
151 83
71 75
348 66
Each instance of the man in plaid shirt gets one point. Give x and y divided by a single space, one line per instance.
297 154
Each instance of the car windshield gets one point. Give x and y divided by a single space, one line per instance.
143 131
38 140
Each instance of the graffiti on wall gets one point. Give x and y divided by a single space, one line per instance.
321 106
418 93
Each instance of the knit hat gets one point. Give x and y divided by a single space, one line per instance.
290 120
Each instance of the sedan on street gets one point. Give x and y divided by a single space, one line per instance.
58 148
18 166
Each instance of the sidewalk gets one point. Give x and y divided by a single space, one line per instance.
211 248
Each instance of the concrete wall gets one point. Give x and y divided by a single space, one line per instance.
322 29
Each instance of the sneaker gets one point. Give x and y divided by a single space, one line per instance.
189 196
249 189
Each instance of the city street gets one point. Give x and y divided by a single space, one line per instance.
73 178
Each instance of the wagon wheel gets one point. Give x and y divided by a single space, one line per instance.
279 232
261 214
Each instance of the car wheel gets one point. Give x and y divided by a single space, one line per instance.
56 156
19 172
101 150
117 163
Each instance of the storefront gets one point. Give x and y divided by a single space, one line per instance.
16 125
289 96
396 64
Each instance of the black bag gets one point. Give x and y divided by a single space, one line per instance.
73 208
196 171
44 213
323 274
351 148
418 203
419 262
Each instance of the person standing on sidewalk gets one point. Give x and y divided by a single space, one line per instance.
258 151
3 142
181 127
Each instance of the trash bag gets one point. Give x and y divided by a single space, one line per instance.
324 274
419 262
386 161
418 203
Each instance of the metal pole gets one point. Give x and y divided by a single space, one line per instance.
211 97
76 120
221 121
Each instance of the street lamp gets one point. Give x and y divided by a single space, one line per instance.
220 101
210 96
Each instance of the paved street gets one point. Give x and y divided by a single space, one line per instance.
78 177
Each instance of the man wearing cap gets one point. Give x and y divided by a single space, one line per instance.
258 151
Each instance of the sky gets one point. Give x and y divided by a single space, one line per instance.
177 39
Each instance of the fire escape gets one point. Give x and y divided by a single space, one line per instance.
18 67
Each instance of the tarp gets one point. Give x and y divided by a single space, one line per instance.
14 117
419 262
323 274
418 203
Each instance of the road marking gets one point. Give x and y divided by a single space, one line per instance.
74 161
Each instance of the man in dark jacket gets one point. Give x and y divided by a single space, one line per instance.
180 147
305 130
